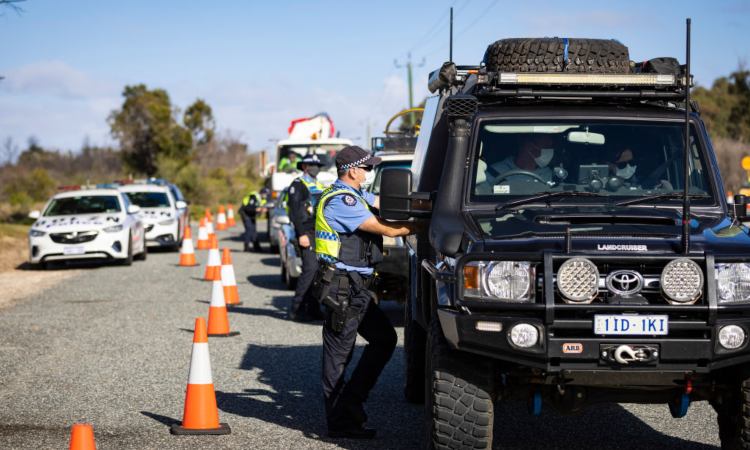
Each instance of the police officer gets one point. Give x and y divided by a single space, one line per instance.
303 195
348 242
251 206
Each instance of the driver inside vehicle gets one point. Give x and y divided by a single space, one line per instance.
534 155
622 165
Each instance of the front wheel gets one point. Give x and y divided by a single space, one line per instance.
129 259
143 255
459 410
733 415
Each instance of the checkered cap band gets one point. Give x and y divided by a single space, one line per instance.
355 163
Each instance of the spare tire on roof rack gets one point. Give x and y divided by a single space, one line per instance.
557 55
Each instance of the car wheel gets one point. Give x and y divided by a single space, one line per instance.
733 415
459 409
144 254
129 259
290 281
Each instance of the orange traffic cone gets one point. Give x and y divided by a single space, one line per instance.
187 253
201 416
208 214
230 216
213 265
211 232
221 219
218 319
231 294
82 437
203 243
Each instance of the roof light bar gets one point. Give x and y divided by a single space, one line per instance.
587 79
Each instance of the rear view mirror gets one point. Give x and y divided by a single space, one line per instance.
585 137
179 204
35 214
397 201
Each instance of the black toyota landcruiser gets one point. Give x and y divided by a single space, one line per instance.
576 252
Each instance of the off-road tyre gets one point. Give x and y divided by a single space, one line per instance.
290 281
459 409
734 419
415 343
143 255
548 55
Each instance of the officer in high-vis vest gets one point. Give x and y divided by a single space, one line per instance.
251 206
348 242
303 195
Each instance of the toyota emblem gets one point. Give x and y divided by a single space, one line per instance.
624 282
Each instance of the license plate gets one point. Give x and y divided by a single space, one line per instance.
627 325
74 250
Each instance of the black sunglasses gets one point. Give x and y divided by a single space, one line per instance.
367 168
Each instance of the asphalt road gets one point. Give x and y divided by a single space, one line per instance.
111 346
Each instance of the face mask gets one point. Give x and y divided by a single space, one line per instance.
626 172
544 157
313 171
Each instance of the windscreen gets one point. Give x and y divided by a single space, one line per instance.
290 155
610 158
87 204
149 199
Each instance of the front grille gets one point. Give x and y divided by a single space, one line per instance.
74 237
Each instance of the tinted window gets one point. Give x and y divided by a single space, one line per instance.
88 204
149 199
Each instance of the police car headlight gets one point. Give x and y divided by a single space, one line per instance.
509 281
36 233
733 282
167 222
114 229
682 281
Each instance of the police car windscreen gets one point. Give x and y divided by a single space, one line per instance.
149 199
612 158
87 204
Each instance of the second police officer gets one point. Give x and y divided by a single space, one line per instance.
303 196
348 241
251 208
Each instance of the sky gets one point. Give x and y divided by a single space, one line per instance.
261 64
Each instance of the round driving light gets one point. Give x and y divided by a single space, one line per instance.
731 337
524 335
682 281
578 280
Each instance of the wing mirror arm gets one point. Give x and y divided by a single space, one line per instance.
398 201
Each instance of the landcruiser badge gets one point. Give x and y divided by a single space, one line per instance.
624 282
621 248
572 348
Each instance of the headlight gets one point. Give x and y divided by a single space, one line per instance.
578 280
682 281
731 337
733 282
113 229
36 233
511 281
167 222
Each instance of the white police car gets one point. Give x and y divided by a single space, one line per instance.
160 213
87 224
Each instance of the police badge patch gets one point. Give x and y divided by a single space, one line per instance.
349 200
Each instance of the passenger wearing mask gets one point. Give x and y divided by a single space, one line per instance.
622 166
534 156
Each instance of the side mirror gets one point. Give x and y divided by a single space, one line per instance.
179 204
740 207
397 201
134 209
35 214
282 220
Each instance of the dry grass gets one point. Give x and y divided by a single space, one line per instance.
13 246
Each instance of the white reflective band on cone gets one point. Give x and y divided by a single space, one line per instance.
202 234
222 218
210 227
187 246
217 295
230 214
200 365
213 257
227 276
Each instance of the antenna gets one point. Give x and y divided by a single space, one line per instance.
686 163
450 41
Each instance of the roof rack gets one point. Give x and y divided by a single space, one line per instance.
560 85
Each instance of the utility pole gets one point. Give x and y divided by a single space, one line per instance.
409 66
